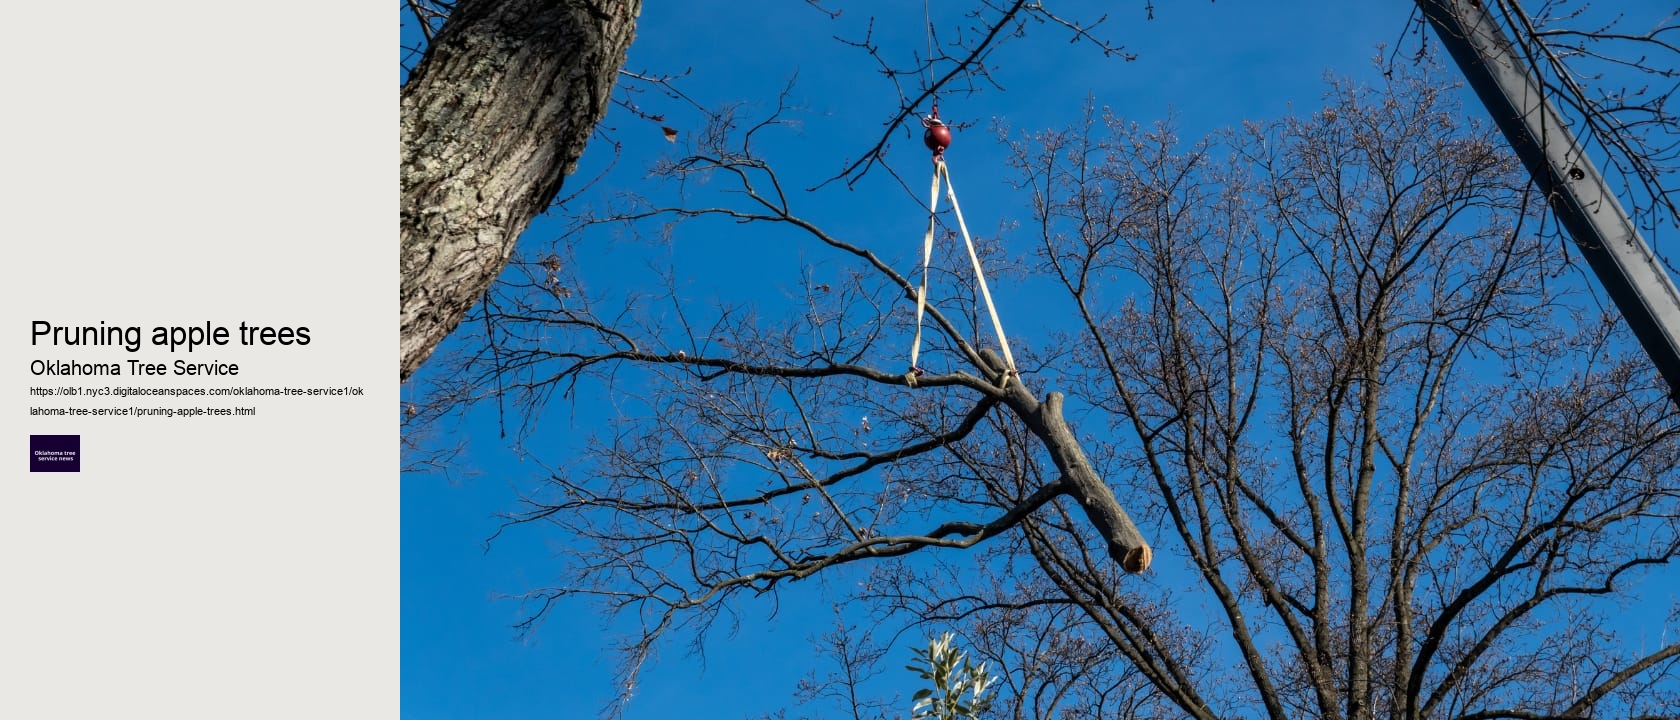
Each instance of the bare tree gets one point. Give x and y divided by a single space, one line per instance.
506 93
1396 468
1348 387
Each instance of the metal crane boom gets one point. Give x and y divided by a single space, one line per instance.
1561 168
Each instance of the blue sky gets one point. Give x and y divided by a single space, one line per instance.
1210 65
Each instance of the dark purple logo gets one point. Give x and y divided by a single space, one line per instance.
55 453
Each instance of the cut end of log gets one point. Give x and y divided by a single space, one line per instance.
1137 559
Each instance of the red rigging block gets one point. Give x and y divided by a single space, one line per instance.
937 137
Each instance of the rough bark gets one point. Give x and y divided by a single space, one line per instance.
493 119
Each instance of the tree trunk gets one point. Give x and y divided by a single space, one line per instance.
493 119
